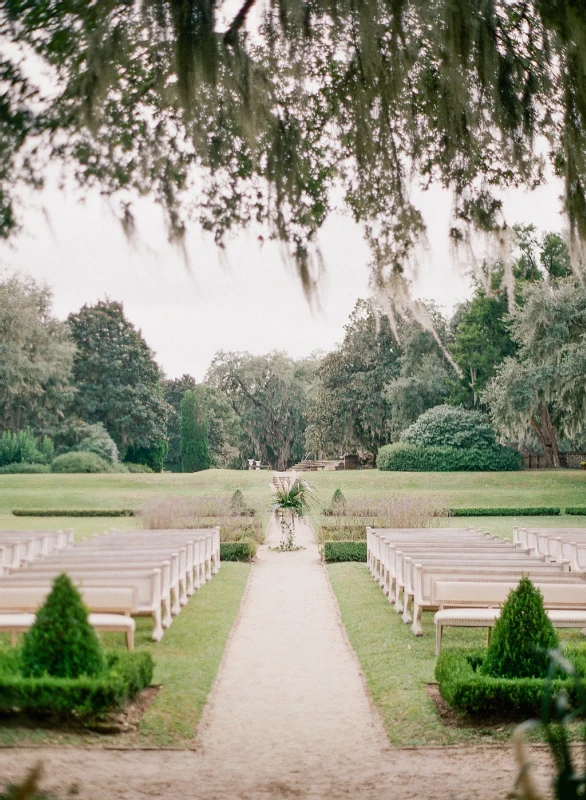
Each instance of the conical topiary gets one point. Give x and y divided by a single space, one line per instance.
61 642
522 636
237 502
338 503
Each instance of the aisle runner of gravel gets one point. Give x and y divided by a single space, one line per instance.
289 716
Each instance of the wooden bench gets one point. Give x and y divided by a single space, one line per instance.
477 604
110 609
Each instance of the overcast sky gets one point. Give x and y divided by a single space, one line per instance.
246 299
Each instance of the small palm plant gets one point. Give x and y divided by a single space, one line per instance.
292 498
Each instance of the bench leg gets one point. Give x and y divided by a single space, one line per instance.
175 604
196 580
416 627
391 594
182 592
439 629
209 570
130 640
157 626
167 616
406 613
189 587
216 560
202 574
398 602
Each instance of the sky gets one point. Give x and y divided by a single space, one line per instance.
247 298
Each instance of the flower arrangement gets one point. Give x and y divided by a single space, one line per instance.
292 498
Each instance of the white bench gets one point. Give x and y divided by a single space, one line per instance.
477 604
147 584
426 577
110 609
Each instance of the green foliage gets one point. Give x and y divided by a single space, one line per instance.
338 504
79 462
117 379
576 511
536 511
173 391
344 551
73 512
95 439
522 636
122 677
293 494
238 505
23 469
448 426
152 457
238 551
468 690
61 643
136 468
22 447
405 457
36 355
195 454
268 394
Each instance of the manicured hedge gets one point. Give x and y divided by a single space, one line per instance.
73 512
344 551
405 457
126 675
79 462
237 551
24 469
465 689
576 511
537 511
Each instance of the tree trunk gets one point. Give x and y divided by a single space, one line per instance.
547 436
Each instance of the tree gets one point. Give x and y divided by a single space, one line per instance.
447 426
195 455
352 410
269 396
117 379
36 358
173 392
541 393
280 112
425 373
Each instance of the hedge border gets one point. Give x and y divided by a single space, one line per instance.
73 512
237 551
336 552
537 511
127 674
469 692
576 511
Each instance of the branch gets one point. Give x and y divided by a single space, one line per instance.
231 35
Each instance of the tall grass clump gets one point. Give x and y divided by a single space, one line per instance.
205 511
348 522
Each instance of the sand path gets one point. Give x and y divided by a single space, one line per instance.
289 716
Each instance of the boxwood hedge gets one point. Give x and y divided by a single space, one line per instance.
576 511
125 676
73 512
536 511
406 457
344 551
468 691
238 551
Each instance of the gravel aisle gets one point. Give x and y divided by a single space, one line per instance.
289 716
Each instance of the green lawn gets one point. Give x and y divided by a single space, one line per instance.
398 666
186 663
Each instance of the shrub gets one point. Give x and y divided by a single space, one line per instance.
97 440
464 686
137 468
24 469
344 551
79 462
338 506
152 457
73 512
405 457
522 636
238 551
576 511
124 676
61 642
22 448
449 426
537 511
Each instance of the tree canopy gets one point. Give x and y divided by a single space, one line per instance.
271 116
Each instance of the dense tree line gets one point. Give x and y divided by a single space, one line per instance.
514 352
